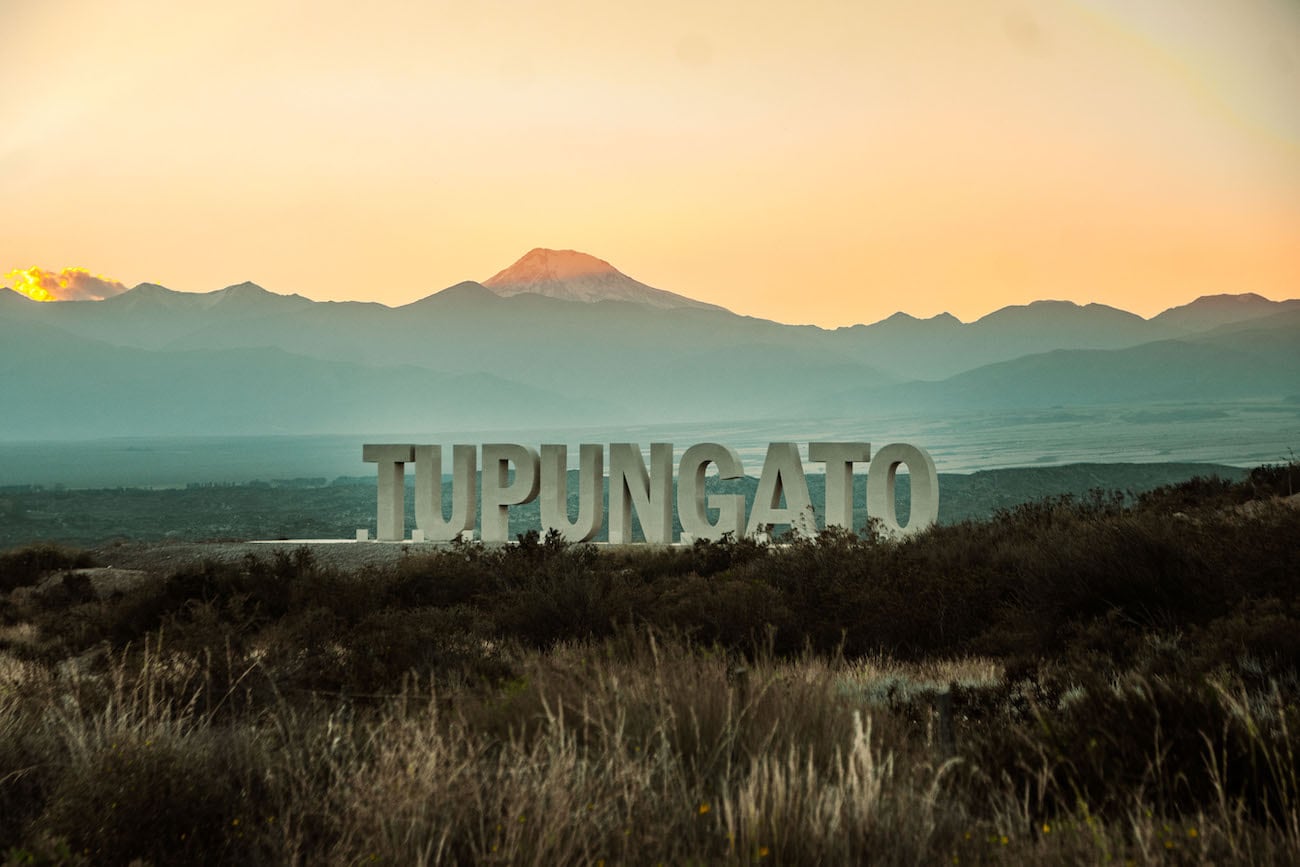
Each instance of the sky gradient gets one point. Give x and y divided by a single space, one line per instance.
830 162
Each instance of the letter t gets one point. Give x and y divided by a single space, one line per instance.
839 459
392 459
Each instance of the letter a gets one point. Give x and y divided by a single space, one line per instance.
782 473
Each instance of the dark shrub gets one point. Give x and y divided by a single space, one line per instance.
22 567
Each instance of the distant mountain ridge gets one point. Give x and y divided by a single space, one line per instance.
565 337
1211 311
570 275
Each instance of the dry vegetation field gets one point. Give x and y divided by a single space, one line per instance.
1074 680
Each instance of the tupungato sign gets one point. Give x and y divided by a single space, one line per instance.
513 474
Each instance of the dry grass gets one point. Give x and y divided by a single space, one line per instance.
638 751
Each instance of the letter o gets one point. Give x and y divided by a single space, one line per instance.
925 488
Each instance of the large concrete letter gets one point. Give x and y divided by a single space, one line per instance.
555 491
499 493
651 495
925 488
839 459
428 492
782 472
690 492
390 519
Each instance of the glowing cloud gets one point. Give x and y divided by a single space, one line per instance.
70 284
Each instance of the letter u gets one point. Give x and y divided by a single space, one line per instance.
555 491
428 492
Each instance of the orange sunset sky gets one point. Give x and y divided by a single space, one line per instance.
824 162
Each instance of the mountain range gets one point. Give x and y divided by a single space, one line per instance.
561 338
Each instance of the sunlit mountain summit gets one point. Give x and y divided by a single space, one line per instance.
573 276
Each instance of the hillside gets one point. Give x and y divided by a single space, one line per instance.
1072 682
58 386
